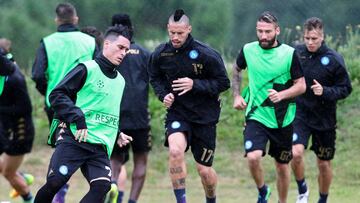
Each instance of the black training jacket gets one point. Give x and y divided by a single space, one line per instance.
199 62
6 65
15 100
328 68
134 107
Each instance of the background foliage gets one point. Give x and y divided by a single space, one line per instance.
224 24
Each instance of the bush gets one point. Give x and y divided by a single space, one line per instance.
351 52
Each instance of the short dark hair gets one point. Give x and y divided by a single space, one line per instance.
268 17
313 23
65 12
94 32
124 20
115 31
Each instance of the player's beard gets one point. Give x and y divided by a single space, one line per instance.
267 44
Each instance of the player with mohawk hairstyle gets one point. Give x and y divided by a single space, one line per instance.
188 77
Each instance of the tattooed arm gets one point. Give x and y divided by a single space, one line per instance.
239 102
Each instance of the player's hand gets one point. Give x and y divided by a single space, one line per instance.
81 135
62 125
317 88
239 103
182 84
168 100
124 139
274 96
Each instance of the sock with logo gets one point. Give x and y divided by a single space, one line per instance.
120 196
263 191
323 198
302 187
210 199
180 195
27 197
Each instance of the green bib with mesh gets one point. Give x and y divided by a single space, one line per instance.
3 78
269 69
99 100
64 51
2 84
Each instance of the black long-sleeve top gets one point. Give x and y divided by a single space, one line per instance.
15 100
200 63
134 105
41 61
63 97
328 68
6 65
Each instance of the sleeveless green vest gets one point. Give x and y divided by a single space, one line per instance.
2 84
99 100
64 51
269 69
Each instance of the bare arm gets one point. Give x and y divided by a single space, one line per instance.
236 80
296 89
239 102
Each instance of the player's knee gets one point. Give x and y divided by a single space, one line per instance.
100 187
139 174
204 171
97 192
55 182
52 186
9 175
324 165
297 152
297 157
282 168
176 154
253 157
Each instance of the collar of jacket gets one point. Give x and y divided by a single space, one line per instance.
185 46
322 49
106 66
68 27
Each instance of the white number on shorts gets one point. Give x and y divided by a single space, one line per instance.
207 154
108 168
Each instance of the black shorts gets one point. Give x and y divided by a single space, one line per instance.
200 138
70 155
323 142
16 135
141 143
256 136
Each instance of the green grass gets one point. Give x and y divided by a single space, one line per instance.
235 184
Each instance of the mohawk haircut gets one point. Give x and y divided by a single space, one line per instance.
178 14
179 17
